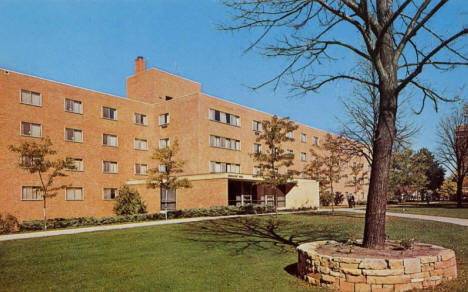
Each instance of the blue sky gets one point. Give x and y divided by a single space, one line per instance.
93 44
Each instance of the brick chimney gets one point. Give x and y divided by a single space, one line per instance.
140 65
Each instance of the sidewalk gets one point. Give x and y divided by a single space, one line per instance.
457 221
56 232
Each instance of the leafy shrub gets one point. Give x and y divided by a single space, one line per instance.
338 198
325 198
9 224
187 213
129 202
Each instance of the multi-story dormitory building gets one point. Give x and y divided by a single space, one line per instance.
111 139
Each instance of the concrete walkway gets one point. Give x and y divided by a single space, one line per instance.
451 220
56 232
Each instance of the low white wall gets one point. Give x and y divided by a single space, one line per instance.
304 195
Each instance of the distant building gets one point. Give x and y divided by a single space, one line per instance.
111 139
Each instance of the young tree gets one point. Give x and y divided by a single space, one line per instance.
165 176
398 38
358 175
453 147
408 172
447 189
34 158
274 159
327 163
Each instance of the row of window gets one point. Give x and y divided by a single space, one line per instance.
76 135
76 106
34 193
226 143
222 167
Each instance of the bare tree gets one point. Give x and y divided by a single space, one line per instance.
396 37
453 147
362 115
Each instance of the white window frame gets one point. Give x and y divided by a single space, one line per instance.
303 138
290 135
115 115
110 135
143 116
259 128
33 187
303 156
78 169
112 162
257 148
74 140
316 141
30 93
140 165
80 112
164 119
223 116
116 194
140 140
167 142
82 194
21 129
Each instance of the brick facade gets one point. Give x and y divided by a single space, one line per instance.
150 92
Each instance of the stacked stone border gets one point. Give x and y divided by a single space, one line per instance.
374 274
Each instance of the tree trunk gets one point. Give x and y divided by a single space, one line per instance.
44 213
374 230
459 191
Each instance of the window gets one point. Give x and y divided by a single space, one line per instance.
162 168
31 98
256 126
303 138
303 156
31 130
224 118
345 164
73 135
27 161
168 199
222 167
354 164
163 143
141 169
257 148
256 170
109 140
110 193
316 141
225 143
303 175
74 194
290 135
345 178
73 106
78 163
31 193
140 144
140 119
109 113
110 167
164 119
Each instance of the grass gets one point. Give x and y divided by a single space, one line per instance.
444 209
246 254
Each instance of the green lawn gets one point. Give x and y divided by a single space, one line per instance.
444 209
224 255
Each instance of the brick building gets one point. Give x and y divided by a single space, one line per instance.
111 139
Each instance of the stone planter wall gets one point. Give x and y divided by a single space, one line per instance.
371 274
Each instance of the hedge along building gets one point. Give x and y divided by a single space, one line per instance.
111 139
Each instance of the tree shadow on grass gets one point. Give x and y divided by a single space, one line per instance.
241 234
